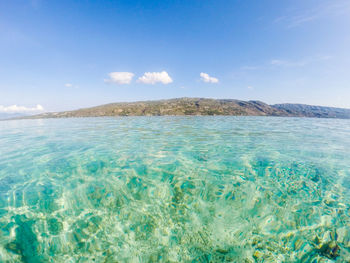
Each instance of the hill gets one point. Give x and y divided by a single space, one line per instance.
201 106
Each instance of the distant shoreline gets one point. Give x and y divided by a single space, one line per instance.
199 107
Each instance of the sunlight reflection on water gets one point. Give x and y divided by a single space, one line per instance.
175 189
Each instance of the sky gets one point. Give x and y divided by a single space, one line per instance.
63 55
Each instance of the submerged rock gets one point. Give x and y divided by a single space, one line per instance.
330 250
26 244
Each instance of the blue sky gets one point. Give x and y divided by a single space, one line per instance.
65 55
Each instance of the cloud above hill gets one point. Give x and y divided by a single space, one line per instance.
206 78
120 77
155 77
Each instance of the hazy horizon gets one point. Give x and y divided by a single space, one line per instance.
60 55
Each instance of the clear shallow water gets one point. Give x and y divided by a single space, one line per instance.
175 189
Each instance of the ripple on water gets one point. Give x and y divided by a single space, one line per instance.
175 189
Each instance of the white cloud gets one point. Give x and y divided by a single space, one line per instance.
120 77
70 85
326 9
20 109
155 77
249 67
299 63
206 78
250 87
279 62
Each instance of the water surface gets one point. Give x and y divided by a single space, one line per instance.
175 189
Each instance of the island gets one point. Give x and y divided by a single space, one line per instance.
201 107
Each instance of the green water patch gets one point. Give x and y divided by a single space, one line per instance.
26 244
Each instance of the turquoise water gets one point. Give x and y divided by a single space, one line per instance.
175 189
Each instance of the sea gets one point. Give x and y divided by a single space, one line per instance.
175 189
